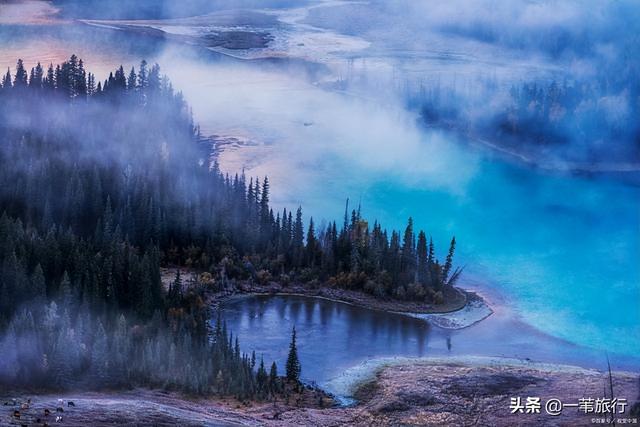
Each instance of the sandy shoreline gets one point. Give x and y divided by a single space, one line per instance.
475 310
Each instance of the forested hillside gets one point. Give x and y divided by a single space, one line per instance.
104 182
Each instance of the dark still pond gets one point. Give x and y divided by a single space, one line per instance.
333 337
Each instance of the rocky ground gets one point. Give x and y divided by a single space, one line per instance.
142 407
480 393
427 392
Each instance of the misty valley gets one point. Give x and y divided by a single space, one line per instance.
319 213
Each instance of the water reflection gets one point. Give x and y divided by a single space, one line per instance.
330 335
334 336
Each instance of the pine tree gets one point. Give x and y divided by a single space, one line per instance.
154 79
265 224
36 78
446 269
6 80
143 78
132 80
431 253
311 245
120 80
261 377
50 81
298 238
99 357
273 378
408 243
422 254
71 76
81 80
91 84
293 363
20 80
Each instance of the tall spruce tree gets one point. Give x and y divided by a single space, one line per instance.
293 362
21 76
449 261
6 80
422 258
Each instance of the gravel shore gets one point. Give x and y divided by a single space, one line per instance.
421 392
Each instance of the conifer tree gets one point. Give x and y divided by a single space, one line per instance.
298 238
422 258
261 377
266 224
311 245
36 77
99 357
446 269
132 80
154 79
20 80
273 378
6 80
50 83
293 363
91 84
431 253
143 78
80 79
